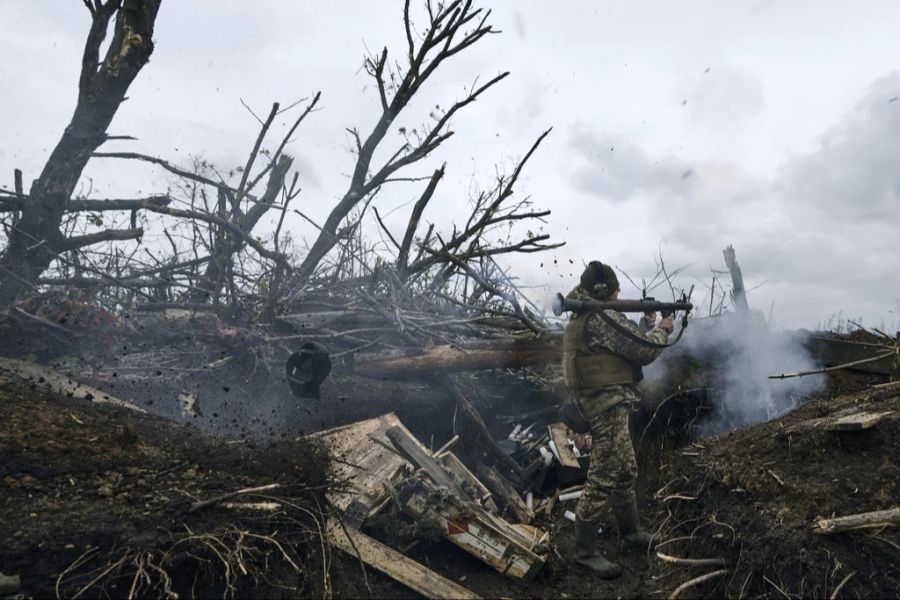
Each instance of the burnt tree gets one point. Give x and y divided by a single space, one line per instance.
36 240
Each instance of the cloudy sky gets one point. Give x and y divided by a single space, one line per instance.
685 127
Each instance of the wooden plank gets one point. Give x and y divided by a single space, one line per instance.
505 491
61 384
414 453
361 463
858 421
452 463
559 434
869 520
410 573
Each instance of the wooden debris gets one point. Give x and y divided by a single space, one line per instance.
858 421
856 363
691 562
887 386
254 490
393 564
260 506
559 435
61 384
483 495
364 467
506 492
484 433
370 473
517 551
833 352
414 453
697 581
869 520
737 280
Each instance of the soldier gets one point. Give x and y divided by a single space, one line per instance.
602 359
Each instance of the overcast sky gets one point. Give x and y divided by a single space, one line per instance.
772 126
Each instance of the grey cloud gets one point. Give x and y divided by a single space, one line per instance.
615 168
818 237
853 175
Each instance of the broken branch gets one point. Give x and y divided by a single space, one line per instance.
254 490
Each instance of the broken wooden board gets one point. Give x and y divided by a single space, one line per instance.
47 378
559 435
858 421
506 493
410 573
362 464
518 551
415 453
452 463
848 419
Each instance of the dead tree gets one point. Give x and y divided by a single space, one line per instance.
737 281
451 28
36 240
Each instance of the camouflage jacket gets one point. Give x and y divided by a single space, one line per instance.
600 337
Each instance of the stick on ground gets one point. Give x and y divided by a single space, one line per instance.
207 503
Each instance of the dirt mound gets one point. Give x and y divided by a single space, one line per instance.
751 498
100 499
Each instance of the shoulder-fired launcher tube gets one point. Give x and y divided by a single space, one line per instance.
561 304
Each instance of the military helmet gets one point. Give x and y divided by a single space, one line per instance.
599 279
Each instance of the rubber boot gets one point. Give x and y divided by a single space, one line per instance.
626 513
587 555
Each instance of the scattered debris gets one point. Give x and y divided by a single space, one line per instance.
434 489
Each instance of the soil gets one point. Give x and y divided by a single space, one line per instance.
97 499
88 487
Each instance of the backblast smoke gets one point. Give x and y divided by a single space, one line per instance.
733 356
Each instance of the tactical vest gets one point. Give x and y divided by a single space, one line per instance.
585 370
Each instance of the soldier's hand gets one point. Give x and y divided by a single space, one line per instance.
667 323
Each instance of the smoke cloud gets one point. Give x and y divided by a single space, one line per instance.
733 356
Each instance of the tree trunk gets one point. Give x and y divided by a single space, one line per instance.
737 281
445 359
36 240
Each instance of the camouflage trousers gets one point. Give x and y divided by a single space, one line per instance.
613 468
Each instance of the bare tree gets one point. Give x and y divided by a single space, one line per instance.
35 239
450 29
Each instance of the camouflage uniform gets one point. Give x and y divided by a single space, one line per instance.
606 398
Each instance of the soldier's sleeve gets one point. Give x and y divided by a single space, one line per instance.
621 344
